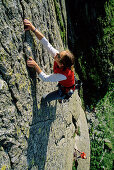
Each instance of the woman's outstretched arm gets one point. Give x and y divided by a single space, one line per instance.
28 26
42 75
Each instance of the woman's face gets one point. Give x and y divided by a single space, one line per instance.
57 58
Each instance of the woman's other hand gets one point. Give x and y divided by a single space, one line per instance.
28 25
31 62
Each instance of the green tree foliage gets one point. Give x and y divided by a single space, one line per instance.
101 134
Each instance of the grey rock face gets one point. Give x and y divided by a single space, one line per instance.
32 136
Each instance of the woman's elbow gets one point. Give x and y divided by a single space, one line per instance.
45 80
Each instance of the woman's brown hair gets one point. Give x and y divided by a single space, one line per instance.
67 60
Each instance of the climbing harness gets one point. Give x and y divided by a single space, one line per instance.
68 91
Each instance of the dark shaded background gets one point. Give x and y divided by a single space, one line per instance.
93 58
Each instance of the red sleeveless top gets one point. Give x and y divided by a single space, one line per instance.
70 81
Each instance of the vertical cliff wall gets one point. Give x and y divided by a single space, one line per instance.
32 136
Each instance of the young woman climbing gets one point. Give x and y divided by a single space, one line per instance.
63 64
